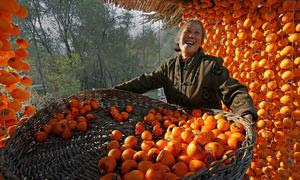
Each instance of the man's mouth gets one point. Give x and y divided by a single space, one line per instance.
189 42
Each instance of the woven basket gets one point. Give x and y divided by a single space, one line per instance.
77 158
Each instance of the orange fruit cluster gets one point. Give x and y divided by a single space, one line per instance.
259 43
14 83
76 117
189 144
120 116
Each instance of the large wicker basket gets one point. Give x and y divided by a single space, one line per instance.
77 158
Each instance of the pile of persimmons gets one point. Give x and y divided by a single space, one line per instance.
188 144
75 117
259 43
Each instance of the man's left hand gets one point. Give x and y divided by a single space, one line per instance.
250 118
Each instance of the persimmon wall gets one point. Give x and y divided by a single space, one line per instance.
259 42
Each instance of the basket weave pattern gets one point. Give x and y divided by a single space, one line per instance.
77 158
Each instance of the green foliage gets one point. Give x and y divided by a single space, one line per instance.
63 82
84 44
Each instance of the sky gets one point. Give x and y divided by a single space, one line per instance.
138 19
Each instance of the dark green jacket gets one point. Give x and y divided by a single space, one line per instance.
200 82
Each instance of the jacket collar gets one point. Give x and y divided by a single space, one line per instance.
191 62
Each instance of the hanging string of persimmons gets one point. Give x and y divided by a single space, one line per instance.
15 106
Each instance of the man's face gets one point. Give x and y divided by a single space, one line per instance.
190 39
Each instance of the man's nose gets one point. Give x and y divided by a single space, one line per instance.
191 35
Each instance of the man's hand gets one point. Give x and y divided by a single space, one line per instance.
250 118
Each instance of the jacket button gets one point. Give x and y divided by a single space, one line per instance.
216 70
205 94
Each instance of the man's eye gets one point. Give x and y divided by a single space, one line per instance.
187 32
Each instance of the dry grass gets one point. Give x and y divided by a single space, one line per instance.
165 10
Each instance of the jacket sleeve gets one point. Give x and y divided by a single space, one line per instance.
234 95
146 82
